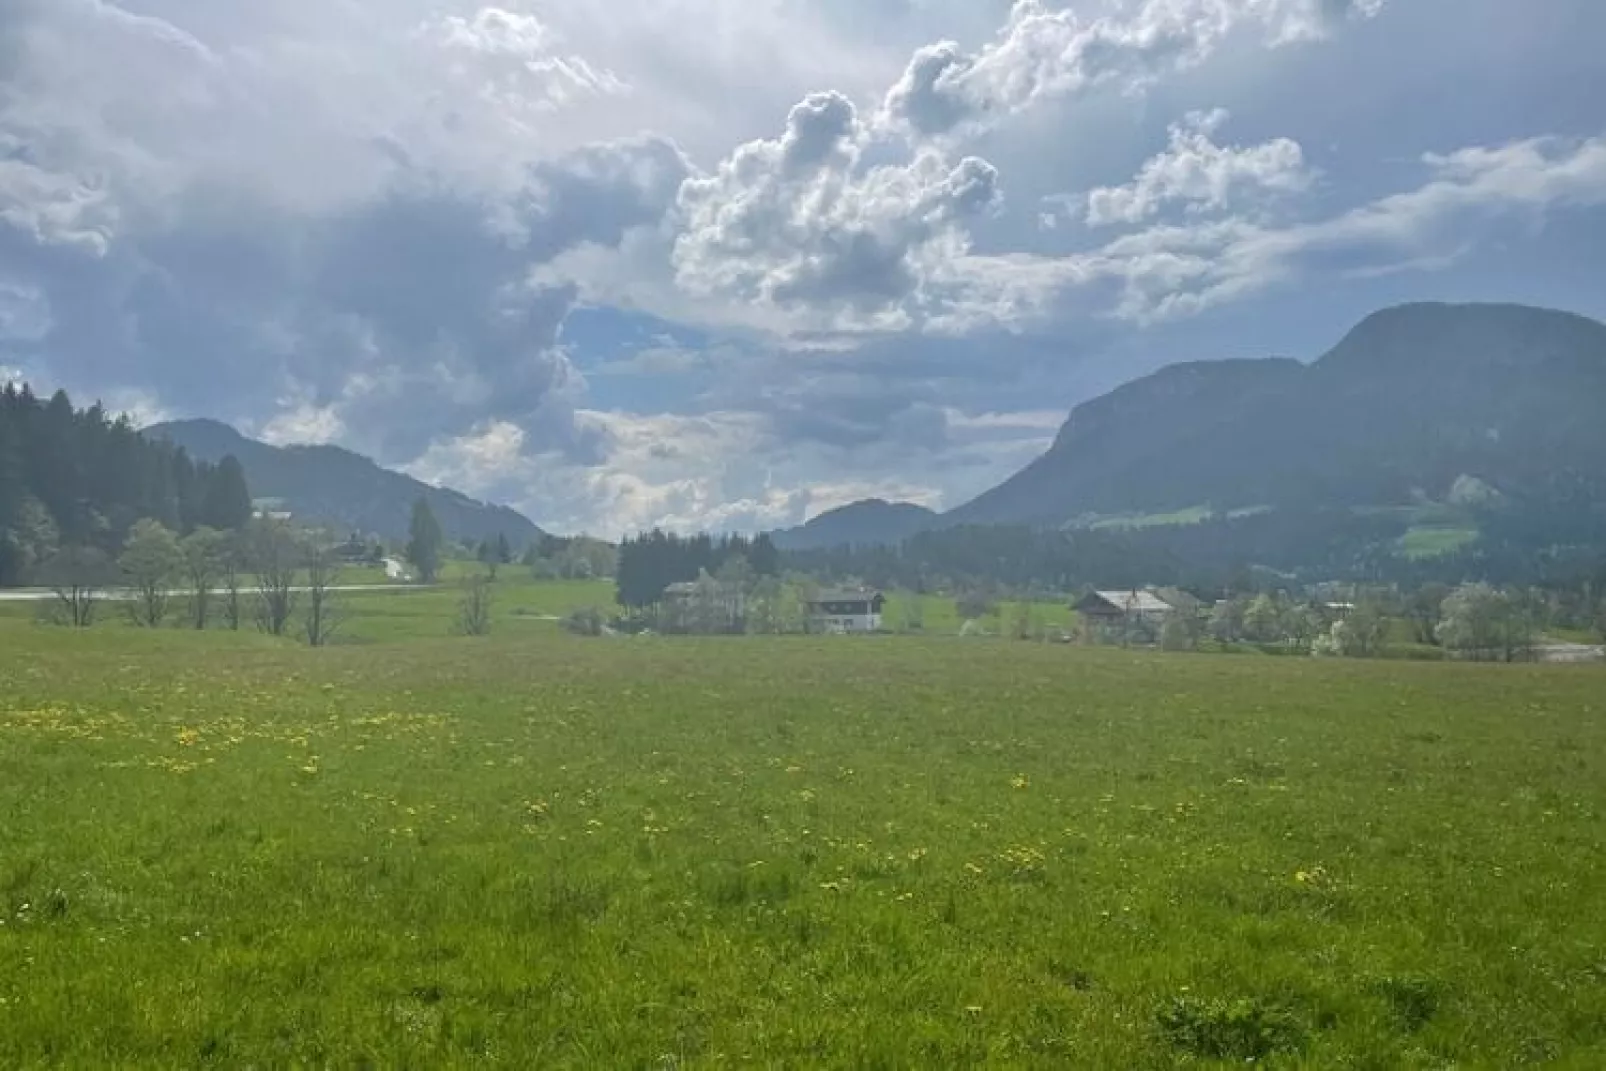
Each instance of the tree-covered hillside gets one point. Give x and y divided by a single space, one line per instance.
331 485
81 478
1410 402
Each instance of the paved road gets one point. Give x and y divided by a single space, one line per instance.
124 595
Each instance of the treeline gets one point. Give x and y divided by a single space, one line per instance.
267 573
648 564
1012 558
72 478
1564 547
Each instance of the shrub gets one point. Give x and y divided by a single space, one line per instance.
587 621
474 610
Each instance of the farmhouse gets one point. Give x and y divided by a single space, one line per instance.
846 611
1124 608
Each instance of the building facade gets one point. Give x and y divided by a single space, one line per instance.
846 611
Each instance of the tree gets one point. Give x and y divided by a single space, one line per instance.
83 478
1483 623
487 556
323 616
1025 622
764 610
1365 633
1227 621
275 556
1424 608
909 613
77 576
1302 624
426 543
152 562
1262 621
27 540
231 563
474 609
765 557
974 605
1181 632
226 504
203 551
504 549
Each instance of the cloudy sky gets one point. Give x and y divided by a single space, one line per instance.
729 263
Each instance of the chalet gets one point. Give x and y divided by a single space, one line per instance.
1124 608
845 610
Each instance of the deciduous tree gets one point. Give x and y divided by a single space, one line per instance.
323 613
275 558
203 554
152 563
78 576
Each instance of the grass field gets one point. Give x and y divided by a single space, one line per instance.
541 851
1191 515
1430 541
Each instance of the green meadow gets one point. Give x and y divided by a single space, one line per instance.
536 850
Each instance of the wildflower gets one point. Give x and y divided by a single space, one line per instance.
1020 781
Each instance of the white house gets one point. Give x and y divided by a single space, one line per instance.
846 611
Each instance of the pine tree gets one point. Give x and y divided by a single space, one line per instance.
425 543
765 557
71 479
227 503
187 489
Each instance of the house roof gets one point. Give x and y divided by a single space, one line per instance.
1133 602
844 595
685 588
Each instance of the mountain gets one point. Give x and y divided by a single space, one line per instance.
1411 401
338 487
873 521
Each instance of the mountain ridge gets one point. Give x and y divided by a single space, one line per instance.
869 521
1411 399
336 486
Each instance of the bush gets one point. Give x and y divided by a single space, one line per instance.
587 621
474 610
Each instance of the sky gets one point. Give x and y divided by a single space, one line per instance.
727 264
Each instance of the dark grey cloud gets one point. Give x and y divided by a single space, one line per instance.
409 317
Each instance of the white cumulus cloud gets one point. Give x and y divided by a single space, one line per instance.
1204 176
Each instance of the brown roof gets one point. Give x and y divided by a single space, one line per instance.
1131 602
